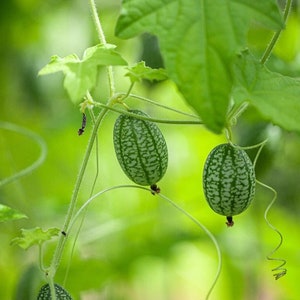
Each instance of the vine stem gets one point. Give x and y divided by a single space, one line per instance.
276 35
91 193
159 105
30 134
63 238
280 270
193 219
164 121
102 39
209 234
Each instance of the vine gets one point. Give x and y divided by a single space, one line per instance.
280 270
34 137
176 206
277 34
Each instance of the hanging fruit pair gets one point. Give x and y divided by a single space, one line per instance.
228 181
140 149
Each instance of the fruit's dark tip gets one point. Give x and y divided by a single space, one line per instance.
154 189
229 222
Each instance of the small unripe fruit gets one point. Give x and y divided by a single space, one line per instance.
140 149
228 181
60 292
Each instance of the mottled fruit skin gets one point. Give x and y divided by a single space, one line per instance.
61 293
140 149
228 180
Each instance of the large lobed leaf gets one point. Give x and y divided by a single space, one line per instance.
198 39
275 96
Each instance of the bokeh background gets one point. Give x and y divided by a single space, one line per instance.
133 245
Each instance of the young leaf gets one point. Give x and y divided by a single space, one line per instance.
197 41
58 64
34 236
9 214
141 71
275 96
81 75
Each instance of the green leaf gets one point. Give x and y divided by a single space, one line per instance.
141 71
9 214
58 64
81 75
198 40
34 236
275 96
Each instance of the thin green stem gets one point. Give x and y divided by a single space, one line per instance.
162 106
210 235
235 112
276 35
121 111
280 270
97 22
93 118
52 290
62 240
41 263
102 39
36 138
261 144
128 92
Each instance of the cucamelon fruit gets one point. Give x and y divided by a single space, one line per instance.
140 149
61 293
228 180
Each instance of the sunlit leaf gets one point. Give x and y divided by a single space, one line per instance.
275 96
58 64
9 214
198 40
81 75
141 71
34 236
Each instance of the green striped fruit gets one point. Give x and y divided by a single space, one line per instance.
141 149
61 293
228 181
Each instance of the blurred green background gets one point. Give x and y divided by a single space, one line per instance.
133 245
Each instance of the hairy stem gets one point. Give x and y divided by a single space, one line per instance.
102 39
